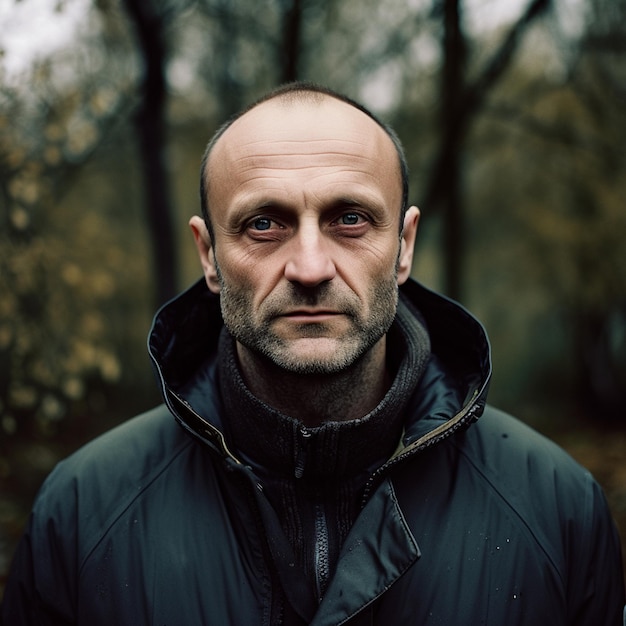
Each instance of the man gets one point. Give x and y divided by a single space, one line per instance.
331 467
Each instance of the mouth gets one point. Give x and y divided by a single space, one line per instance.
310 315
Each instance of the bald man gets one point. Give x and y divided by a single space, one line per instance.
331 467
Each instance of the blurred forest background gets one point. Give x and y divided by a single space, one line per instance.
512 113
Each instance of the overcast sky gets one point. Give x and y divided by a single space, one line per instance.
33 27
30 28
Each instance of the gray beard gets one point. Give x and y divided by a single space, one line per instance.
263 341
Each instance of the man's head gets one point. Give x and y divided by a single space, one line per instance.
306 233
294 92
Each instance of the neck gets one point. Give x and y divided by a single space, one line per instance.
315 399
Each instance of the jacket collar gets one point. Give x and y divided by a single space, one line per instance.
183 343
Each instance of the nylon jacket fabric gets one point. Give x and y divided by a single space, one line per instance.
472 521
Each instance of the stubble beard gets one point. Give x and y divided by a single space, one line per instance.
260 336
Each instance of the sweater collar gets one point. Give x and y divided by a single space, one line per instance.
280 444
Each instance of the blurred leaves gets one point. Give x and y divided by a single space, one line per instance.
59 261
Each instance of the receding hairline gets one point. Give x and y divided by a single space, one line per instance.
288 100
290 95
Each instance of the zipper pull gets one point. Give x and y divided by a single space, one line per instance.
301 451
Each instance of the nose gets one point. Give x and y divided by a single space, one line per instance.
309 262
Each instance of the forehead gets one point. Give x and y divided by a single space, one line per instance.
288 133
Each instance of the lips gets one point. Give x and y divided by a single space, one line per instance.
310 315
312 312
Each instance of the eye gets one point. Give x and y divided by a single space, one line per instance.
350 219
261 223
264 228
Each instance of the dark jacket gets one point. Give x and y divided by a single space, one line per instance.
470 522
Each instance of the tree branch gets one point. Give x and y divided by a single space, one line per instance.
502 58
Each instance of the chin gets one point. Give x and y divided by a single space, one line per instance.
312 367
335 358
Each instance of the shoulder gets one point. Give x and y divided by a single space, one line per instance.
503 505
554 501
133 450
502 466
534 478
91 488
507 450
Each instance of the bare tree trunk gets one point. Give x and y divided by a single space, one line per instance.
453 132
150 28
292 29
460 104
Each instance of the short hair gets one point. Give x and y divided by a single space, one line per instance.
302 91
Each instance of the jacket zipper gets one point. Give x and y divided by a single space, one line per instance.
321 542
202 428
465 415
321 554
302 451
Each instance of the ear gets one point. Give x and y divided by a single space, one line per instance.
206 253
407 243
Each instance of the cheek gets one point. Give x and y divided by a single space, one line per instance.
248 277
363 269
380 251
